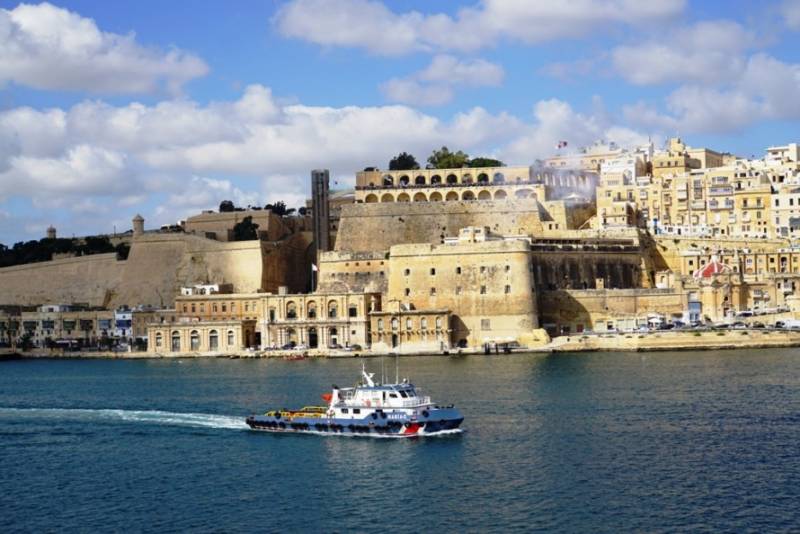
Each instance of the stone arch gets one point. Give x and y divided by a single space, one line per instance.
466 179
371 198
468 195
194 340
484 195
483 178
452 179
420 197
524 193
175 341
388 180
159 339
499 178
403 197
419 180
436 179
231 338
404 180
311 309
435 197
452 195
387 198
333 309
500 195
291 337
291 310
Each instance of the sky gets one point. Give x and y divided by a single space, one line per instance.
108 109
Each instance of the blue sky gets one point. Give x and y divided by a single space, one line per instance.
165 108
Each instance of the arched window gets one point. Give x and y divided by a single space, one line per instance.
194 340
176 341
436 179
311 310
423 323
332 309
452 179
420 197
404 180
159 340
291 310
388 180
466 179
409 323
213 340
438 323
371 198
380 325
419 180
483 178
395 323
498 178
231 338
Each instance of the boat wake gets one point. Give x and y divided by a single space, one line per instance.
156 417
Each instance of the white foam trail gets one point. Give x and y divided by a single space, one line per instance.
158 417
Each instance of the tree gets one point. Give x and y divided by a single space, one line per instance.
246 230
486 162
302 211
444 159
226 206
123 249
279 209
403 162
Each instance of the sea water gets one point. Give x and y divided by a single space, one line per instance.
606 442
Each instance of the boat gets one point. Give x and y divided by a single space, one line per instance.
367 409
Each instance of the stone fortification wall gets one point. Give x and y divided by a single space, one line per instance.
81 279
357 272
371 227
157 266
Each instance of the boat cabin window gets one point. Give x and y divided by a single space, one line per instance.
344 410
392 395
356 410
403 394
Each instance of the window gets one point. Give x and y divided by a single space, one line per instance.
225 308
423 323
352 311
194 339
433 271
311 310
193 308
214 308
486 324
483 290
332 309
272 315
213 340
395 323
408 292
458 270
230 338
185 308
483 268
409 323
458 290
380 325
407 272
433 291
508 268
176 341
291 310
159 340
345 410
508 290
356 410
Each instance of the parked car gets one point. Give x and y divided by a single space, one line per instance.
758 324
738 325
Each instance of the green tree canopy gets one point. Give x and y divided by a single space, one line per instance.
486 162
246 230
226 206
444 159
403 162
279 208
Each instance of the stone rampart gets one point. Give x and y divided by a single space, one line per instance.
371 227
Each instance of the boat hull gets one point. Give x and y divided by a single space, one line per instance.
437 423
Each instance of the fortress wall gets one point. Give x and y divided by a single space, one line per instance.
379 226
80 279
358 272
287 263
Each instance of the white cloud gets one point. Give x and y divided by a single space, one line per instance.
47 47
436 84
708 52
766 89
201 193
374 27
790 9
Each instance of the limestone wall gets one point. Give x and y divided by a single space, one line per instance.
370 227
82 279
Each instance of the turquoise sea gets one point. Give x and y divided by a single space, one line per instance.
606 442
